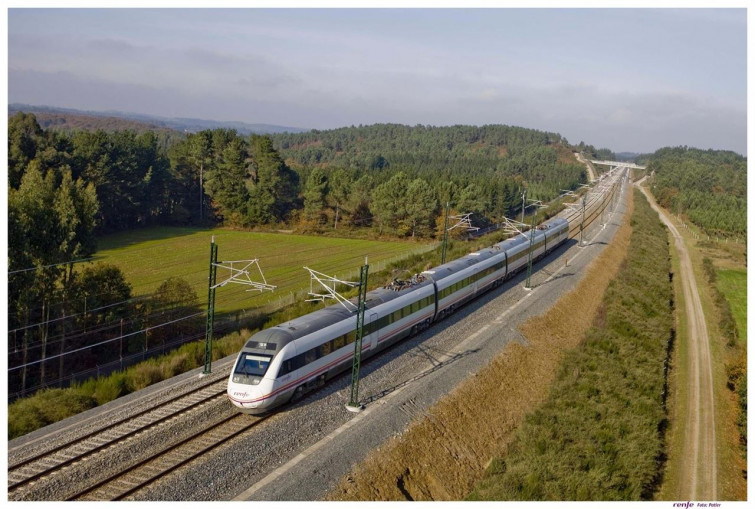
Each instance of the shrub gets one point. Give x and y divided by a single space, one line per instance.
45 407
174 365
24 416
110 388
57 404
143 375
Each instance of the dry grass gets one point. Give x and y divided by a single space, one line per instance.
442 454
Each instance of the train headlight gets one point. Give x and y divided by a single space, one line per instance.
243 379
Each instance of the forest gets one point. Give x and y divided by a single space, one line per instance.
709 187
66 188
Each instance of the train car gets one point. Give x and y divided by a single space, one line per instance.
459 281
284 362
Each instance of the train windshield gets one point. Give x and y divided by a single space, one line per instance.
252 364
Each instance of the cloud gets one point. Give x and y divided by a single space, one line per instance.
327 69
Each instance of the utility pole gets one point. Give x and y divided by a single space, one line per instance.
524 199
210 307
445 237
582 222
529 262
354 405
238 275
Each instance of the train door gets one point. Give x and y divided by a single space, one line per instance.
372 339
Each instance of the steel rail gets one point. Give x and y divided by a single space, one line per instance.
49 469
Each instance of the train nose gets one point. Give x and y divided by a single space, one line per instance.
244 397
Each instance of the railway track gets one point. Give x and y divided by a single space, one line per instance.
24 473
594 207
160 463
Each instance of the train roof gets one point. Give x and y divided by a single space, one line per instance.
301 326
454 266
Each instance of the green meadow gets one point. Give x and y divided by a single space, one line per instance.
733 284
150 256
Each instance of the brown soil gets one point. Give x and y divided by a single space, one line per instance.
590 170
441 455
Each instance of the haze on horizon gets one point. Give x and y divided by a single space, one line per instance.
626 79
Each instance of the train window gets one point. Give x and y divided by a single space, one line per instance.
251 364
325 349
310 356
285 368
339 342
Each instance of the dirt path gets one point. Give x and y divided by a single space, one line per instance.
590 169
699 470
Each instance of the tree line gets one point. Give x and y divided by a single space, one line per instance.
707 186
67 188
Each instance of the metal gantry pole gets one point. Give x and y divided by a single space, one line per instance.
210 307
445 237
532 241
582 222
354 398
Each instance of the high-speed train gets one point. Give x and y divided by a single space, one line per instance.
281 363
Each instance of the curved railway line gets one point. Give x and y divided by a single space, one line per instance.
27 469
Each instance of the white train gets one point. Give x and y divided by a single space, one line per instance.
284 362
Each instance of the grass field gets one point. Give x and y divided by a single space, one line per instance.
733 284
150 256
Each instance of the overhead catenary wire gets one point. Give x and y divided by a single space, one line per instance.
75 335
111 340
29 269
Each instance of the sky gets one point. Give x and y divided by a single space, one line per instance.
626 79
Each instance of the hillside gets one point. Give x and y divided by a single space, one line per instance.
449 158
709 187
72 119
62 121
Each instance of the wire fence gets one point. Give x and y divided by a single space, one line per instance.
229 322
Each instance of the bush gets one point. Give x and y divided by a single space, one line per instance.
110 388
45 407
143 375
24 416
57 404
174 365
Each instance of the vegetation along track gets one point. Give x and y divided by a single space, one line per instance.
700 468
23 473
